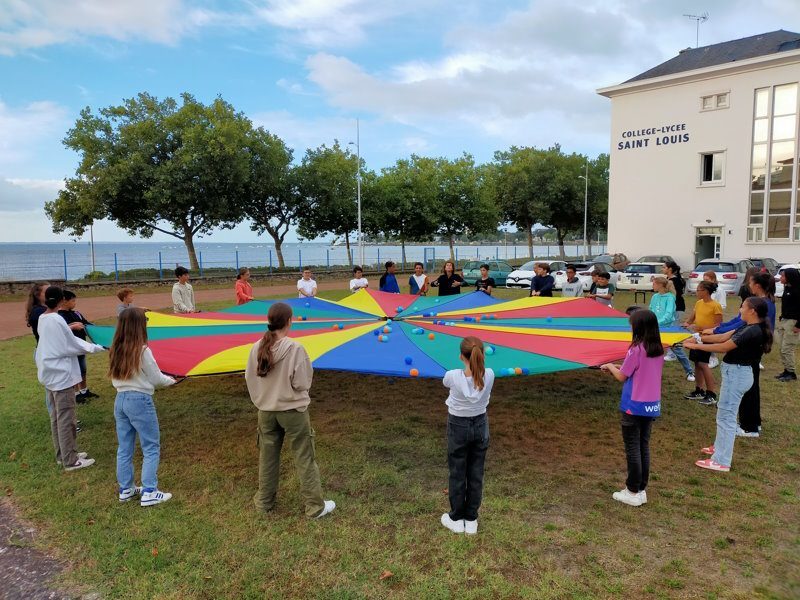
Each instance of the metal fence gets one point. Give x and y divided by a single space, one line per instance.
130 262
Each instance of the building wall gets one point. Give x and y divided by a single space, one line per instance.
655 196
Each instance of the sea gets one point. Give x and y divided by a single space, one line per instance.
73 260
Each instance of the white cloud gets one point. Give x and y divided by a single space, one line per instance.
22 129
30 24
22 195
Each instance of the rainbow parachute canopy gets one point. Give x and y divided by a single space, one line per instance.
400 335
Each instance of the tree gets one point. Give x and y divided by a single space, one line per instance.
462 196
564 194
598 196
326 180
151 165
521 176
271 198
401 204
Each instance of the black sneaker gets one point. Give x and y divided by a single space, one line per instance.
695 395
81 398
708 399
788 376
90 394
781 375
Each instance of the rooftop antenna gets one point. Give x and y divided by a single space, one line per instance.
699 19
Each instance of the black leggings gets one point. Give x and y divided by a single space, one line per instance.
636 435
750 408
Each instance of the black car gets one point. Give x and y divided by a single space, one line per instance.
767 265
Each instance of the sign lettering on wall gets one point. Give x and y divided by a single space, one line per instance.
664 135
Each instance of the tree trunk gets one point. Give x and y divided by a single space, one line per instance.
561 237
188 239
279 251
452 250
530 240
349 254
403 251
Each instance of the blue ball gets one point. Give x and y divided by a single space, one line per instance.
409 360
388 320
436 300
489 350
426 314
303 318
511 372
385 338
549 319
341 326
376 333
308 304
399 309
526 371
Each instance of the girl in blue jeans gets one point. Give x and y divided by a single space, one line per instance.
467 436
744 348
135 375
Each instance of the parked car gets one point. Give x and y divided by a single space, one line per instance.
617 260
499 270
521 278
584 273
656 258
778 284
639 275
767 265
730 274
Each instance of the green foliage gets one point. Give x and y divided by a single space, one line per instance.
151 162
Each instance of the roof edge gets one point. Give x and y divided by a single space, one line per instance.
748 64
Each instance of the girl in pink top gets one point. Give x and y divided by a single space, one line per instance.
640 404
244 291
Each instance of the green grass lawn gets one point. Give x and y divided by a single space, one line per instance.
548 526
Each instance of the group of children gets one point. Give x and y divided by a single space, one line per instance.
279 376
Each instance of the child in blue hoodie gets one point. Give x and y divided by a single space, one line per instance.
663 304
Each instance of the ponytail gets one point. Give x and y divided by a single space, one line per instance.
278 316
241 273
53 296
709 286
761 308
472 350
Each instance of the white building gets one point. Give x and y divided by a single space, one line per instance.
704 149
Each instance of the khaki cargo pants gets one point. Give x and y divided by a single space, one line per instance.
63 425
786 339
273 427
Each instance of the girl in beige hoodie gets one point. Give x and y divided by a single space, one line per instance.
278 377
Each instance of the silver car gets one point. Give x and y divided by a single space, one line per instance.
730 274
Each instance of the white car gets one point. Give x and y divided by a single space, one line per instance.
639 276
584 273
730 274
778 284
521 278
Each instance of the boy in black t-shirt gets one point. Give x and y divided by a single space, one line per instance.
485 284
77 323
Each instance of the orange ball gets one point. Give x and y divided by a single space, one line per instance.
386 330
518 371
414 373
380 338
336 326
431 336
477 319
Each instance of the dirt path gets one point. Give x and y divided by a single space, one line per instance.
12 316
24 570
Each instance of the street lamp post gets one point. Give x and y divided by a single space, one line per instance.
585 208
357 144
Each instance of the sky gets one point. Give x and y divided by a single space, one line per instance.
427 77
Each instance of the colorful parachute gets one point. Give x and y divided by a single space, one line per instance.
399 335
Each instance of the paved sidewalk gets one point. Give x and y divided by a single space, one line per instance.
12 315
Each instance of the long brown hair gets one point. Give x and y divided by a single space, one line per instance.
472 350
645 333
130 338
278 316
33 299
761 308
242 272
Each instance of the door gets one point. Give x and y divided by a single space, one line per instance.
707 243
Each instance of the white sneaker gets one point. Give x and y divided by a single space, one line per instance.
82 463
690 377
643 496
80 455
761 366
455 526
328 509
742 433
128 493
713 362
154 497
627 497
670 356
471 527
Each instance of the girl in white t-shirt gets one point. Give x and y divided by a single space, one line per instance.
358 282
719 295
306 287
467 436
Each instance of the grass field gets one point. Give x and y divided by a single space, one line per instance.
548 527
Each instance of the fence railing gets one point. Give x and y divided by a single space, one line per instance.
77 265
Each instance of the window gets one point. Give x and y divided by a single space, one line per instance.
774 213
711 167
714 101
